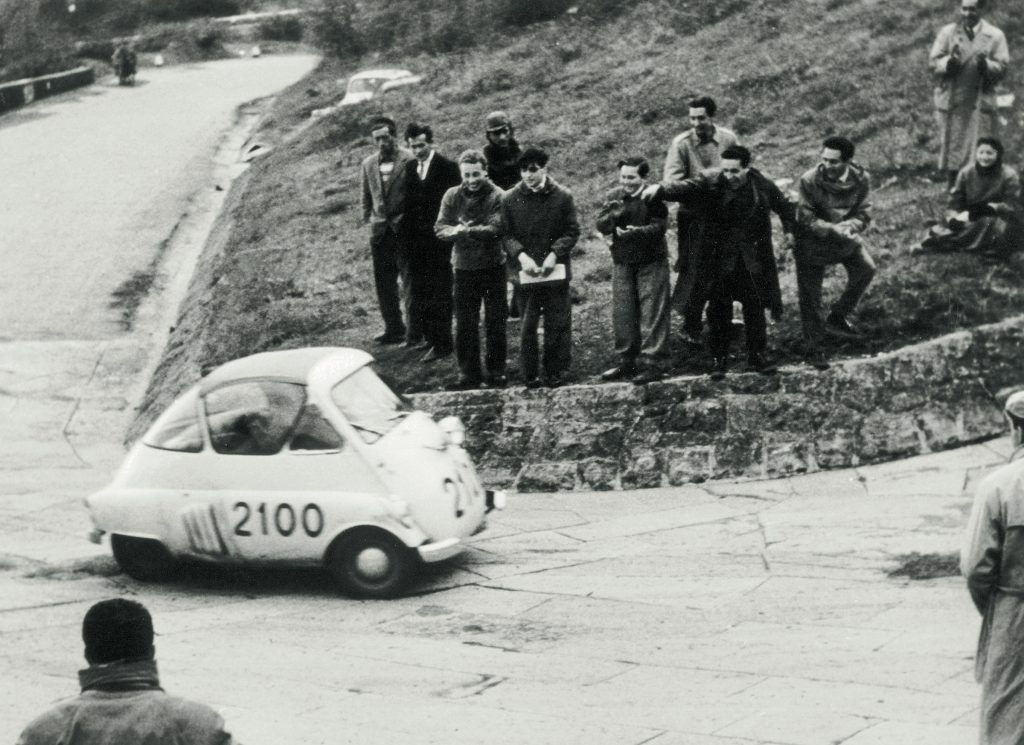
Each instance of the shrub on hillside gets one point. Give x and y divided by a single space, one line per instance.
281 28
333 28
519 13
179 10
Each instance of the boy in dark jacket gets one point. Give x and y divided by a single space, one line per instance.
539 219
640 277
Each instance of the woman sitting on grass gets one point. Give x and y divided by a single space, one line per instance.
984 206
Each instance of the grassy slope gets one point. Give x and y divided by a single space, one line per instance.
785 73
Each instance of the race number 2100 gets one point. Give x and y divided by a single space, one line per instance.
281 519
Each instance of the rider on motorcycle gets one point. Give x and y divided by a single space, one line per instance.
124 61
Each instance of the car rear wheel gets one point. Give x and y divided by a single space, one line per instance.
370 563
142 558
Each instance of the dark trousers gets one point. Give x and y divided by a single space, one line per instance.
430 294
386 250
692 312
736 285
553 305
640 314
860 270
474 287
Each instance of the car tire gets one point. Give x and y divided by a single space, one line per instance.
142 558
370 563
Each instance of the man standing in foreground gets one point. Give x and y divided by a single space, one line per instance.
832 212
697 149
383 176
121 699
429 176
967 59
992 561
541 227
734 259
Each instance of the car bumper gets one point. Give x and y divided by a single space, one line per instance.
431 552
495 500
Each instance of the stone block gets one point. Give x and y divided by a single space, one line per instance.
785 457
641 469
886 434
739 454
598 474
691 465
547 477
705 417
838 448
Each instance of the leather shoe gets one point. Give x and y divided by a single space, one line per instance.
463 384
412 343
553 381
838 326
534 383
433 355
646 376
618 373
387 338
424 345
757 362
817 359
720 368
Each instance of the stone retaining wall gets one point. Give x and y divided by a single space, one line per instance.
21 92
926 397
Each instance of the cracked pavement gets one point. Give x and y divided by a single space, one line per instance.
732 613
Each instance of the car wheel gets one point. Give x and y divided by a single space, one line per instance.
370 564
142 558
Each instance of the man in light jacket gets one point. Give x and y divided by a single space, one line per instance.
383 185
121 699
967 59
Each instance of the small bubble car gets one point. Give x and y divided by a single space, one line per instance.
298 457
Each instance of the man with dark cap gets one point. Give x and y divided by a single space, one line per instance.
502 153
121 699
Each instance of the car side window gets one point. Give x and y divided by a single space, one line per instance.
178 427
253 417
314 433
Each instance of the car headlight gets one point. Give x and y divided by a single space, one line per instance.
453 429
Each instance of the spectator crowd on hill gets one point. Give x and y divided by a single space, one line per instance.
505 220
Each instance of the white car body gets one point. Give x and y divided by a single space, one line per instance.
199 485
368 84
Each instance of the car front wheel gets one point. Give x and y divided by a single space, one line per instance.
370 563
142 558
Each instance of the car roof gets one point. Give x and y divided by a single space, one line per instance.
384 72
288 364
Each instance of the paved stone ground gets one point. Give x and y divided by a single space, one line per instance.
733 614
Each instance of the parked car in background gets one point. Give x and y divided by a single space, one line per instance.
371 83
302 457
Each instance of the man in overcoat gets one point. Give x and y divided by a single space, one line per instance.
992 561
967 59
733 259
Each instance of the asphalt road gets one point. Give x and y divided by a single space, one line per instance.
734 614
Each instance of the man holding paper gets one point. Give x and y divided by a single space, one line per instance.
541 227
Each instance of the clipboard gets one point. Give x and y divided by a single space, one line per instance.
557 275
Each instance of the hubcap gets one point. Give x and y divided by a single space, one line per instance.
372 563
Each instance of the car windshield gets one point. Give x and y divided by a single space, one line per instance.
178 427
364 85
370 406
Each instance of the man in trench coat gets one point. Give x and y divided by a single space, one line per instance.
992 560
967 59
